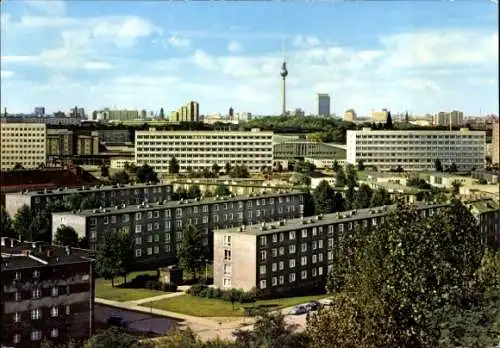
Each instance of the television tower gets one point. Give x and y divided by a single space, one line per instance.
284 74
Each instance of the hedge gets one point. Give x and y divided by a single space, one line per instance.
232 295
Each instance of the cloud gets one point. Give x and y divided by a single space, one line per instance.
177 41
47 7
6 73
306 41
234 47
97 66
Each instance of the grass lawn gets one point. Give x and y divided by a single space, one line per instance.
103 289
207 307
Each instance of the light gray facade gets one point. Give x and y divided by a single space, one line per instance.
158 227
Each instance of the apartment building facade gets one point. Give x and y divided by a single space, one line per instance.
109 195
22 143
59 144
289 255
495 143
416 150
323 104
305 148
158 228
47 293
201 149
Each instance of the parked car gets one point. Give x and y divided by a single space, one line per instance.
326 302
297 310
313 306
116 320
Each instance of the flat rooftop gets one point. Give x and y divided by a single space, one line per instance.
133 208
76 190
19 255
321 220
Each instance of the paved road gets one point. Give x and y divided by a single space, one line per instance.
142 322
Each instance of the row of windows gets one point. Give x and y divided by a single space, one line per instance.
36 335
204 137
280 280
36 314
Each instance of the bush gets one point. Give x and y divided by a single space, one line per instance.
232 295
196 289
168 287
140 280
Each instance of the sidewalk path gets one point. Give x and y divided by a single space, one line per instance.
154 298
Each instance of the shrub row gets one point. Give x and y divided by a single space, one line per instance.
233 295
156 285
146 281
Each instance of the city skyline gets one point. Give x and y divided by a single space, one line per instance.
423 57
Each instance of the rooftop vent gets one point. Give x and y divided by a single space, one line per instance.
67 250
117 207
49 253
273 227
94 211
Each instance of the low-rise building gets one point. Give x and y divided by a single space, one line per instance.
285 255
487 214
325 163
47 293
109 195
444 180
158 227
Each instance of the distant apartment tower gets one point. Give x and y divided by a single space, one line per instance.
495 143
186 113
88 144
416 150
47 294
59 144
323 104
380 116
39 111
350 115
23 144
197 150
231 113
119 115
445 119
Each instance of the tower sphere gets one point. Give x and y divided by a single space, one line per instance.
284 71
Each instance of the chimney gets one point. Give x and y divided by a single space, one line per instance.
68 250
49 253
12 242
40 247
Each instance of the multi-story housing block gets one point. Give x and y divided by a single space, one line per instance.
289 255
22 143
201 149
59 144
495 143
88 144
47 293
109 195
487 214
158 227
416 150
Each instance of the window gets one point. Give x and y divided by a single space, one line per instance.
138 240
263 284
36 314
17 339
291 249
282 251
320 244
313 272
156 250
275 267
282 265
227 269
36 273
227 240
138 252
320 257
138 216
275 281
37 293
55 291
156 226
304 233
18 275
262 269
314 259
282 237
17 317
320 270
314 245
291 263
226 282
303 275
291 277
314 231
54 333
106 220
150 226
157 238
263 255
263 241
227 255
330 242
274 251
292 235
68 309
303 247
281 279
54 311
17 296
275 238
150 239
150 251
303 261
138 228
36 335
167 248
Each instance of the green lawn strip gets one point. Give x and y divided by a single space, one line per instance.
103 289
207 307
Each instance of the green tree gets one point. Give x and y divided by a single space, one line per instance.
180 193
380 197
115 337
336 166
364 196
351 176
146 173
437 165
420 183
361 165
74 202
455 187
23 222
192 253
240 172
397 280
453 168
222 190
271 330
216 169
120 177
279 167
126 254
18 166
173 166
340 178
194 191
227 168
108 260
388 123
7 227
90 202
338 202
66 235
324 197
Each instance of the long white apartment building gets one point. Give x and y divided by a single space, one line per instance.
416 150
201 149
22 143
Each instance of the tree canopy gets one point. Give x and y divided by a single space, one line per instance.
146 173
192 253
173 166
7 227
222 190
67 236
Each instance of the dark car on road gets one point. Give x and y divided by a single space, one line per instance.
313 306
116 320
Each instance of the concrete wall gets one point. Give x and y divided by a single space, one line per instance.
14 202
75 221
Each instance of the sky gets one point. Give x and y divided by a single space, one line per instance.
420 56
